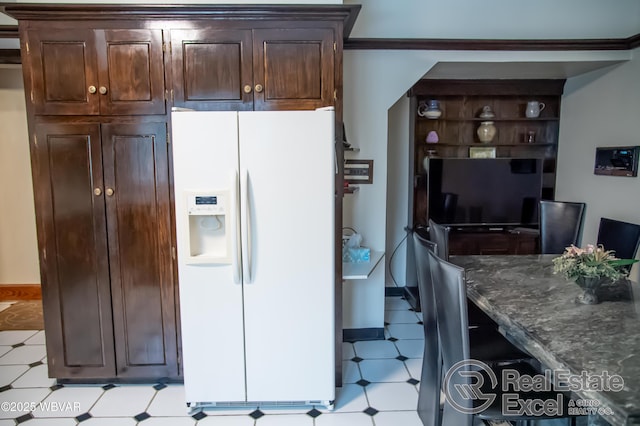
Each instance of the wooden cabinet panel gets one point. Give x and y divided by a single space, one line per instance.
62 66
90 72
295 67
211 69
131 71
74 263
139 224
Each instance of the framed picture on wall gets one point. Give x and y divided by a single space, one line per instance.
482 152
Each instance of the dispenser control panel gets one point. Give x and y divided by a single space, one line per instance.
205 204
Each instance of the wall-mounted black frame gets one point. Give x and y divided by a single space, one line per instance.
617 161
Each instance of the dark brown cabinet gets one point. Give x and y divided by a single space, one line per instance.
100 81
103 194
91 72
253 69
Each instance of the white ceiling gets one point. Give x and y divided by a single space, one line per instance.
514 70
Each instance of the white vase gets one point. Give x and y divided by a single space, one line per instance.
486 131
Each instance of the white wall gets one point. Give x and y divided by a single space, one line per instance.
18 249
601 108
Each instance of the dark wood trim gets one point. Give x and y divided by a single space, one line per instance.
9 31
105 12
20 292
356 334
427 87
491 44
10 56
634 41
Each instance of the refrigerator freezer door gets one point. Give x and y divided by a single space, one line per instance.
205 158
289 303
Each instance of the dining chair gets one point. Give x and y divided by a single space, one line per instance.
486 343
560 225
439 234
622 237
459 408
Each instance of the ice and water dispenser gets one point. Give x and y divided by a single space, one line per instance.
209 227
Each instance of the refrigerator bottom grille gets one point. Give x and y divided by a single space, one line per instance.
243 404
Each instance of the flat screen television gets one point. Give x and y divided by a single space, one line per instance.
484 192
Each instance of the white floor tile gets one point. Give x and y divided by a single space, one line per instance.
81 398
285 420
169 401
126 400
110 421
7 423
396 304
11 337
346 419
21 401
347 351
350 372
36 339
406 331
411 348
4 349
23 355
375 349
169 421
415 367
395 418
53 422
36 377
350 398
392 396
384 370
404 317
227 421
9 373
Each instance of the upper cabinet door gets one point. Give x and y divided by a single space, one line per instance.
63 71
131 72
293 68
212 69
91 72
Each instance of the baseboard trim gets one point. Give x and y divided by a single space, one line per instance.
354 334
393 291
20 292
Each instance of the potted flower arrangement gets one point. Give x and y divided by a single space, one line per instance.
590 267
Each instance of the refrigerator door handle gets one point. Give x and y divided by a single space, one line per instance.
246 226
235 229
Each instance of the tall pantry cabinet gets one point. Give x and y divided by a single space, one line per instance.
100 82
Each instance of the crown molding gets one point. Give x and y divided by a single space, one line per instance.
491 44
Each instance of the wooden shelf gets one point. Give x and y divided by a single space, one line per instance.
488 145
351 189
474 119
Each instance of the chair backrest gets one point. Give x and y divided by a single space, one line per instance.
623 237
451 312
560 225
439 234
429 396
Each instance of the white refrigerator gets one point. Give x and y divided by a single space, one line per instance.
254 199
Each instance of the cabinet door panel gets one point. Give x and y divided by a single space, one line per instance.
131 69
62 66
295 66
136 169
211 69
75 285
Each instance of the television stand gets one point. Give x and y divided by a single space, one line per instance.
493 240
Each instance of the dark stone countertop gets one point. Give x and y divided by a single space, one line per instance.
537 310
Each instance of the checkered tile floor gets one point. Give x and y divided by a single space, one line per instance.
380 388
